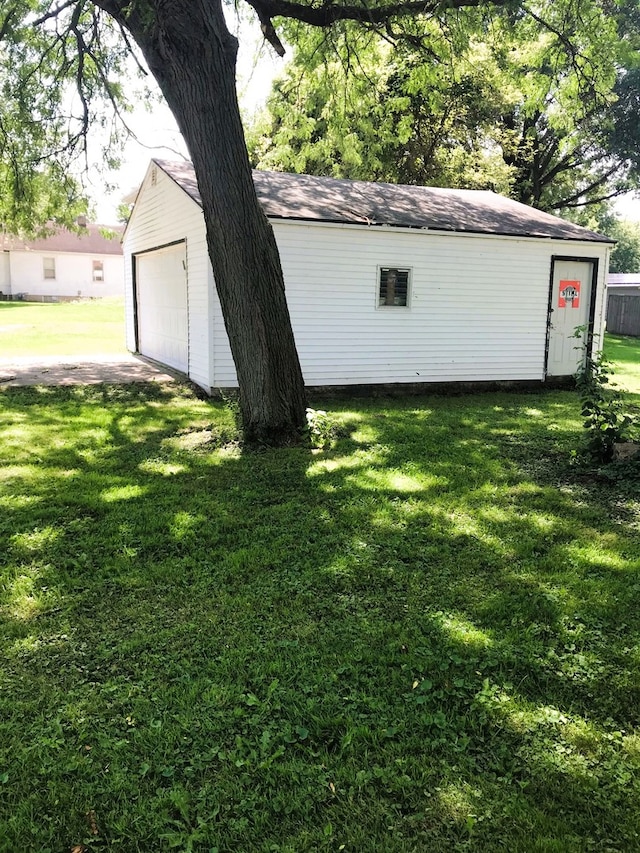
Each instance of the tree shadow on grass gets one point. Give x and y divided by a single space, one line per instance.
403 643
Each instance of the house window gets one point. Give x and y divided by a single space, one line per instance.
98 271
393 287
49 267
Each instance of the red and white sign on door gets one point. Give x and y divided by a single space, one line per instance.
569 294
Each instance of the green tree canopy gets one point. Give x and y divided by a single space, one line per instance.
626 254
542 106
62 69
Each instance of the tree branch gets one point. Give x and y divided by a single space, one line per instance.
573 200
572 51
125 37
330 13
575 204
82 50
4 29
53 13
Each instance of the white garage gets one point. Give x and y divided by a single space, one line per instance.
386 285
161 305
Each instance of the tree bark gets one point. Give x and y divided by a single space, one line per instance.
192 55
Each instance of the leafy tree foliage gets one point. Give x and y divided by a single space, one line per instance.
543 106
355 105
626 254
60 69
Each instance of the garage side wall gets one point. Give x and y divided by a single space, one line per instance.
477 305
164 214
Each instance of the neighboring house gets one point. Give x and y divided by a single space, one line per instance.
623 304
65 265
385 284
623 283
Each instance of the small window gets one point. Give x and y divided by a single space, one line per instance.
98 271
394 287
49 267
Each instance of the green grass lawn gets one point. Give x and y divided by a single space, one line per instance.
624 352
62 328
425 638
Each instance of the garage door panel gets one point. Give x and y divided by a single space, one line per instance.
161 285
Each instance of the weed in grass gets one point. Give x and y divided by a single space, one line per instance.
608 420
322 429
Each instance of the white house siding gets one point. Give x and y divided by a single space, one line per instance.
73 274
5 273
478 305
165 215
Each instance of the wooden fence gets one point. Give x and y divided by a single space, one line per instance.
623 314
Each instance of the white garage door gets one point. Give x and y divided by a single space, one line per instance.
161 287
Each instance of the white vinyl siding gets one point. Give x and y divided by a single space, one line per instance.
5 273
73 274
166 215
478 305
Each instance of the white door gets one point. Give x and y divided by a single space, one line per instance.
570 305
161 289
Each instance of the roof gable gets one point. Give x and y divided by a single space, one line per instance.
318 199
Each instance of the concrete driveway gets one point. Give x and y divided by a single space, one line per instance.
88 369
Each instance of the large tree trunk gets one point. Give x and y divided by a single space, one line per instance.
192 55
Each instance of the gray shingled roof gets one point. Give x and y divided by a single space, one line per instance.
317 199
90 241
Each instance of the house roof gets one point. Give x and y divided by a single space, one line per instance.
623 279
89 241
318 199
